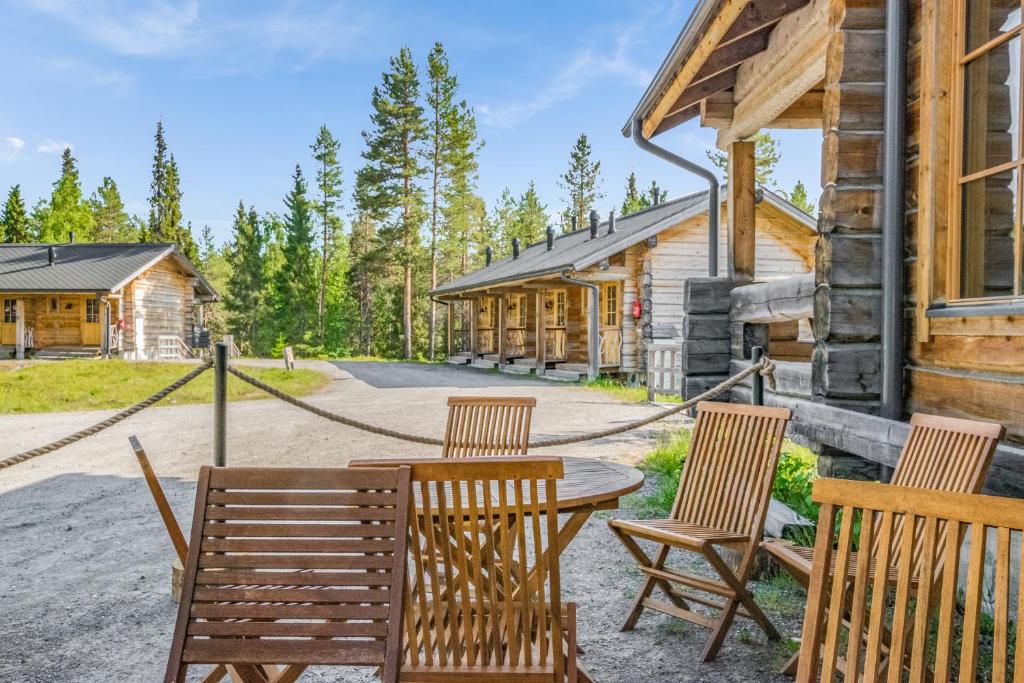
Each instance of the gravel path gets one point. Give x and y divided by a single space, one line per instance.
84 571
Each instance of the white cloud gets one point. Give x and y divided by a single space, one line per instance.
293 33
588 66
49 146
10 147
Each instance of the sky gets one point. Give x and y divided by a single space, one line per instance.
242 88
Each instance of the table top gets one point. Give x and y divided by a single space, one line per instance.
589 481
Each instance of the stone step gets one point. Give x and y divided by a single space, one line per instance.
493 357
483 364
573 367
458 360
526 362
562 375
515 369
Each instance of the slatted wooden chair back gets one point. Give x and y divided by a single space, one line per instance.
487 426
912 626
294 566
943 454
486 528
728 473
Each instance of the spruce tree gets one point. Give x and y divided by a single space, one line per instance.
362 277
798 198
295 284
157 230
635 199
113 224
328 184
531 217
581 184
67 210
389 186
464 210
502 223
245 284
656 195
14 219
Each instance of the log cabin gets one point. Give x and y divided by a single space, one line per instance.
917 297
600 297
134 301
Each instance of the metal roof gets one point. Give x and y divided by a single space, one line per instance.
86 267
575 251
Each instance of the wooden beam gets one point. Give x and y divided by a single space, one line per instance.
733 54
698 91
502 327
541 332
771 82
720 25
790 298
741 202
673 120
19 329
717 111
451 326
759 14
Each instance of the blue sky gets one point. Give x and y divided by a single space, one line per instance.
242 88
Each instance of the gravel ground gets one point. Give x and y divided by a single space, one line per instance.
84 571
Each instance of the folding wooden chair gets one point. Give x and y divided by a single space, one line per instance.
941 454
487 426
857 622
296 567
722 500
484 598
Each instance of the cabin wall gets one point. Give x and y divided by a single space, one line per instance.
970 367
161 304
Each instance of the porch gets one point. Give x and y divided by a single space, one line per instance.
61 325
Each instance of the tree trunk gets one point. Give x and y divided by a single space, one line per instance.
432 322
321 295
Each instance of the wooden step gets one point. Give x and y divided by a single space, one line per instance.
483 364
526 362
573 367
493 357
560 375
513 369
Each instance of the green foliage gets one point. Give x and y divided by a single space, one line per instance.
295 285
328 195
165 217
798 198
766 158
244 300
14 219
88 385
635 200
793 479
113 224
67 211
581 184
626 392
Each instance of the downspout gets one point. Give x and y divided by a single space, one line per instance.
593 327
714 207
893 216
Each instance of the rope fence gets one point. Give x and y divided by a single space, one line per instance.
764 367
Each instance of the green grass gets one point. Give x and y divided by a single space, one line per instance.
624 392
793 480
100 385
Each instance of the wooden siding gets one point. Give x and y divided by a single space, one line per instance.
971 367
161 304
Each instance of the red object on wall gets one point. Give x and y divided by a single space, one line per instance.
636 310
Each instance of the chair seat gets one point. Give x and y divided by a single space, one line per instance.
677 533
798 560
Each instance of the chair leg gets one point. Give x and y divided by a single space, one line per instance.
739 586
790 667
725 619
648 588
217 674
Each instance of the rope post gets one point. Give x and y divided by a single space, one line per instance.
220 403
757 385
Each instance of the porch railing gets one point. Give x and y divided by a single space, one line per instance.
485 341
515 341
554 344
611 347
170 347
664 370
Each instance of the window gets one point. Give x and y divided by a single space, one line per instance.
92 310
610 311
988 167
10 311
560 308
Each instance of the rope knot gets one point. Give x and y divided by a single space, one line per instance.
768 372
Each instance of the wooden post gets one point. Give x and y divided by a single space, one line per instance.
105 329
451 324
741 192
541 333
19 329
474 319
220 402
502 324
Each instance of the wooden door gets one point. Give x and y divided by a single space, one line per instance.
515 334
8 324
554 325
91 321
485 326
611 323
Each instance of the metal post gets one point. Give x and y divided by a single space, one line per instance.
220 403
757 386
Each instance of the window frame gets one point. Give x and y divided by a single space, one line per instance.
10 311
961 59
89 313
610 313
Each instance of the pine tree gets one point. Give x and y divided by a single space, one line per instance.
14 219
502 219
656 195
766 158
581 184
245 284
464 210
113 224
295 284
328 184
531 217
165 217
635 200
216 269
362 278
67 211
798 198
389 181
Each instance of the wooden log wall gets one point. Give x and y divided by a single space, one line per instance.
706 345
161 304
847 314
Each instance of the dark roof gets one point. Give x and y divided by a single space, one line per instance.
86 267
575 251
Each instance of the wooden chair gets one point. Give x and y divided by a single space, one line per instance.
722 500
162 506
856 622
484 599
296 567
487 426
941 454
